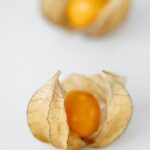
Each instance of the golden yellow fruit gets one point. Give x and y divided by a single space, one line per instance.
83 113
81 13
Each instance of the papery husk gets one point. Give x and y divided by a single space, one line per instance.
54 10
107 20
119 111
109 88
85 83
47 117
75 142
46 114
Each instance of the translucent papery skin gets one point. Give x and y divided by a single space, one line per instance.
119 111
109 88
112 16
54 10
47 116
108 18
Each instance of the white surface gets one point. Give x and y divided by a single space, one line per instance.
31 50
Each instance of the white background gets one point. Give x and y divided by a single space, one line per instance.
32 50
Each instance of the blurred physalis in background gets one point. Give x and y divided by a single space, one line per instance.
93 17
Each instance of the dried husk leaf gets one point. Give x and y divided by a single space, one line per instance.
101 81
80 82
59 130
119 78
75 142
109 17
46 114
112 15
119 112
54 10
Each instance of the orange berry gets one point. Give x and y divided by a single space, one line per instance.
83 113
81 13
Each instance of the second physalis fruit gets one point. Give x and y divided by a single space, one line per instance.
80 111
93 17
